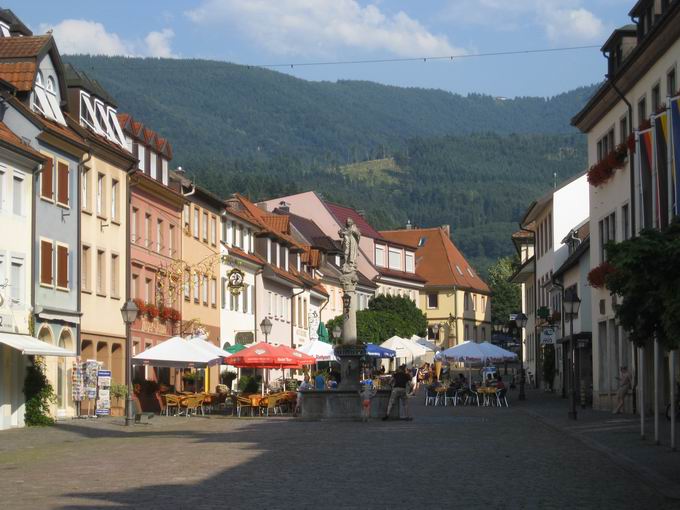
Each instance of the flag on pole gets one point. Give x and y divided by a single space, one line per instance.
675 146
661 145
646 181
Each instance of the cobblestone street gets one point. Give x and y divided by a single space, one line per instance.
447 457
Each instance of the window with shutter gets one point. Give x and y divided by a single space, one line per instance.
62 267
46 262
46 180
62 183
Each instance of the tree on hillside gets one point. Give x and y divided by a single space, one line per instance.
506 297
385 317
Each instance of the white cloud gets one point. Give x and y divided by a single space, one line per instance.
82 36
562 21
91 37
304 27
158 43
579 25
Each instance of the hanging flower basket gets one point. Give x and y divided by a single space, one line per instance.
598 275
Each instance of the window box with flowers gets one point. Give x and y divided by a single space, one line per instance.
597 276
604 169
151 310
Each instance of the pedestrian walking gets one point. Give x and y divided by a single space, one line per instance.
367 393
625 382
401 384
304 386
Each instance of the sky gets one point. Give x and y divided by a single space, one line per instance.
257 32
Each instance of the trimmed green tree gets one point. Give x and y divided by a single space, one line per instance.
645 272
506 296
39 395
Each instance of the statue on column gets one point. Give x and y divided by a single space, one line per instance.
350 236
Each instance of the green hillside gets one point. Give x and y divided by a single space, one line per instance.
429 156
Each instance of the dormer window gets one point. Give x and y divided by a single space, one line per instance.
45 98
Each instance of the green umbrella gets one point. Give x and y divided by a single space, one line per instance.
233 349
322 332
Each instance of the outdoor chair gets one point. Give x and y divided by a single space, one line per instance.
502 396
451 395
430 397
171 402
201 399
471 396
242 402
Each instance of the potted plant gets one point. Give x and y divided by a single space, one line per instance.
227 378
165 313
141 306
118 393
597 275
175 315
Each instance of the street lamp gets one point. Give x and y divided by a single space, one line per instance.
521 323
435 330
129 312
571 305
266 328
336 333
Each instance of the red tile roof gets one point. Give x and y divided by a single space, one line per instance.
142 134
238 252
8 137
438 260
341 214
391 273
19 74
22 47
267 221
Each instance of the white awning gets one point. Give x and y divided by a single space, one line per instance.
30 346
176 352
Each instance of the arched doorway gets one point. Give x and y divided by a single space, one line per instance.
65 342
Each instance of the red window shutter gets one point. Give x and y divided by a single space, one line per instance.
46 179
62 266
62 183
46 262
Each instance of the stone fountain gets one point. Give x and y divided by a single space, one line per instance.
345 402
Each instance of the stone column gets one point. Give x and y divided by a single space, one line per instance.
348 353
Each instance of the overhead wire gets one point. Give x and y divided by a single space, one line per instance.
192 61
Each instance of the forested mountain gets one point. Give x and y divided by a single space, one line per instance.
473 162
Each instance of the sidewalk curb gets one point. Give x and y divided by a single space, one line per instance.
658 482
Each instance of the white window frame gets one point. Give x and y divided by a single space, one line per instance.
21 263
115 187
380 261
397 253
18 176
410 257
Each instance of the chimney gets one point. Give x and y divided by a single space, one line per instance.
408 225
447 230
361 213
284 206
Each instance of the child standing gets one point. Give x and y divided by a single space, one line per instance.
367 393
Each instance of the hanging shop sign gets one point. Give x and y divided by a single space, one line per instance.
235 281
548 336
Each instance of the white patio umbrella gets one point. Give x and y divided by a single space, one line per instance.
176 352
319 350
427 344
202 343
405 349
467 353
496 353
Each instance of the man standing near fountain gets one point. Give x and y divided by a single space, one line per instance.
401 383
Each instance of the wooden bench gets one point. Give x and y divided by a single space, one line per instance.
141 416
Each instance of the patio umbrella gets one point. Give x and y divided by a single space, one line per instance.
467 353
176 352
233 349
202 343
496 353
322 333
426 343
376 351
319 350
404 349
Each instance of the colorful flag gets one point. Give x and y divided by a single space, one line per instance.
675 137
661 145
646 182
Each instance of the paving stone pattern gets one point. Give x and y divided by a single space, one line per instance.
446 458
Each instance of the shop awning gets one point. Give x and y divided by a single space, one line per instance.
30 346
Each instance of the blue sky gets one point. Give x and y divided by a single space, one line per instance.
291 31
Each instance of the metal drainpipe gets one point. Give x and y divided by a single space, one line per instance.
81 166
631 159
36 175
257 273
292 318
561 287
535 301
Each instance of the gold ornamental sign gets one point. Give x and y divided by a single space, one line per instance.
235 281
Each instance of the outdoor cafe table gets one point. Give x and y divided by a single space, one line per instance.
488 392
